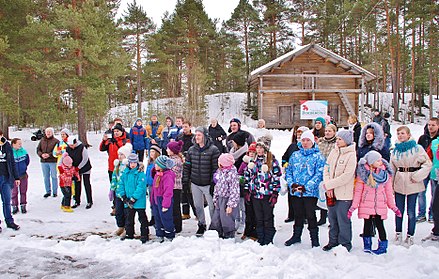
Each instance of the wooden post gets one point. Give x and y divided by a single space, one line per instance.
362 98
260 97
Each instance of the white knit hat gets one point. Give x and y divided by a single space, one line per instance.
308 135
126 149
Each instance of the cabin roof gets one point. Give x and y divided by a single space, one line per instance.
321 51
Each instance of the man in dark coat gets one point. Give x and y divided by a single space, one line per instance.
217 134
235 126
199 167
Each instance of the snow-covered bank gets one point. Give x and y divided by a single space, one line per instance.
47 246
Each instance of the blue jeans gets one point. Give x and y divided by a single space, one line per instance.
5 191
422 199
411 207
49 171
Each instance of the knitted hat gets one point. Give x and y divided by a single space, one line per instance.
303 129
252 147
202 129
126 149
119 127
372 156
175 146
66 131
67 160
321 120
71 140
308 135
239 138
265 142
133 158
139 119
156 148
164 162
346 135
226 160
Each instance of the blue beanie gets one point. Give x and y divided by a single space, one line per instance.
321 120
164 162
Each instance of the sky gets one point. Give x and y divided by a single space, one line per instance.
155 9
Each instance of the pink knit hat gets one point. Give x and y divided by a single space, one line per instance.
226 160
175 146
67 160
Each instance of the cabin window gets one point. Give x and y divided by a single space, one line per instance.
309 82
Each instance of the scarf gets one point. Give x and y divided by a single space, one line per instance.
404 148
376 179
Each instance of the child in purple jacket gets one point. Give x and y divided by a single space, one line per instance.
162 198
225 197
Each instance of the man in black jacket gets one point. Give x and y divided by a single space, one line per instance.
199 167
425 141
8 179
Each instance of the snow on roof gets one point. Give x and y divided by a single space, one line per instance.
325 53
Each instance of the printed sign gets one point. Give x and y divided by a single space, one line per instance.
313 109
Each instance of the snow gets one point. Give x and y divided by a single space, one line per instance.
54 244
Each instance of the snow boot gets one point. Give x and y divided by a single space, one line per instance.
14 209
296 238
314 234
398 238
367 244
261 235
201 230
329 247
23 209
119 231
269 235
67 209
323 217
382 247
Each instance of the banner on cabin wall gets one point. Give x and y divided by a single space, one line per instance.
313 109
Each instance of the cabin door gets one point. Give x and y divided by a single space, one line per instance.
285 115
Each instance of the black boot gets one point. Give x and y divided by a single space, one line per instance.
323 216
261 235
269 235
296 238
314 234
201 230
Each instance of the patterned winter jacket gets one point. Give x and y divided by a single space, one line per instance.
369 200
178 170
262 184
163 188
227 186
326 146
22 161
66 175
115 179
305 168
138 137
132 185
60 146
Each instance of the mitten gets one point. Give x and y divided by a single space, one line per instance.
251 165
350 211
116 162
164 209
111 195
397 212
273 199
264 168
246 159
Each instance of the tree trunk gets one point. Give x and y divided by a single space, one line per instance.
139 76
413 75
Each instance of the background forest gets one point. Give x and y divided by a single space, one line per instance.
68 62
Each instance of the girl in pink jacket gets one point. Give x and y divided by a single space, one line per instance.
373 195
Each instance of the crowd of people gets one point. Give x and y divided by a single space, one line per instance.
336 171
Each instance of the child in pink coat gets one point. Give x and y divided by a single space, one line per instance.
373 195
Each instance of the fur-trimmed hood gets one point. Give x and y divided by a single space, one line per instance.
378 142
363 169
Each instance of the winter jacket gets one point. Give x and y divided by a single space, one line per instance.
215 133
163 188
168 134
6 148
339 172
260 183
425 140
148 173
138 137
178 170
378 143
66 175
249 139
357 132
290 150
239 154
305 168
187 142
115 179
46 145
201 163
405 155
60 146
153 131
435 168
326 146
227 186
22 161
384 124
132 185
112 145
369 200
80 158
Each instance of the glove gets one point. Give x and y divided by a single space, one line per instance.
247 195
350 211
273 199
397 212
164 209
111 195
130 203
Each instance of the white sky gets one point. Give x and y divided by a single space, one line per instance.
155 9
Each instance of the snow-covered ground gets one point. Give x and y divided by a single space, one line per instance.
54 244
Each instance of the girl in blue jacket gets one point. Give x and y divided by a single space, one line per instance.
132 191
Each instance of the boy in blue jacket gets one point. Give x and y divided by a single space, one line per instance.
132 188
